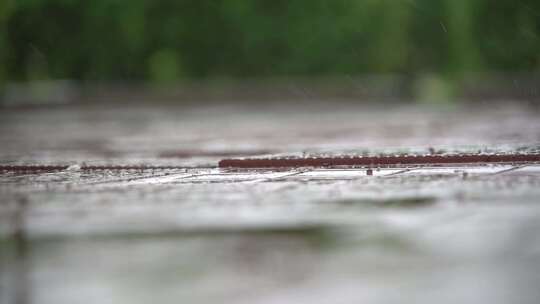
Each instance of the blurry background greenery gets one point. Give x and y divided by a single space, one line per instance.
166 40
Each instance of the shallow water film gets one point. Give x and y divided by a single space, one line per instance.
198 233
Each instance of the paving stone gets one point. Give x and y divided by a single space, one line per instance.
318 235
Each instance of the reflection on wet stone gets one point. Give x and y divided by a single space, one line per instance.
310 235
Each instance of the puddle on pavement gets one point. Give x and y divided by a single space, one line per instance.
305 263
192 266
400 236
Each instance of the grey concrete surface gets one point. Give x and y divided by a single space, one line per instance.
305 235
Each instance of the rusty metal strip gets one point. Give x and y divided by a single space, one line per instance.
378 161
347 161
56 168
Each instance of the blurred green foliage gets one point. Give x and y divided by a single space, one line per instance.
166 40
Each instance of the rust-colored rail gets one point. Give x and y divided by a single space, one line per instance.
56 168
350 161
378 161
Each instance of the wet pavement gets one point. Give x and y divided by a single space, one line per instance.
201 234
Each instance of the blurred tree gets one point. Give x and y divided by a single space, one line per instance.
508 34
6 8
390 42
463 56
164 66
164 40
